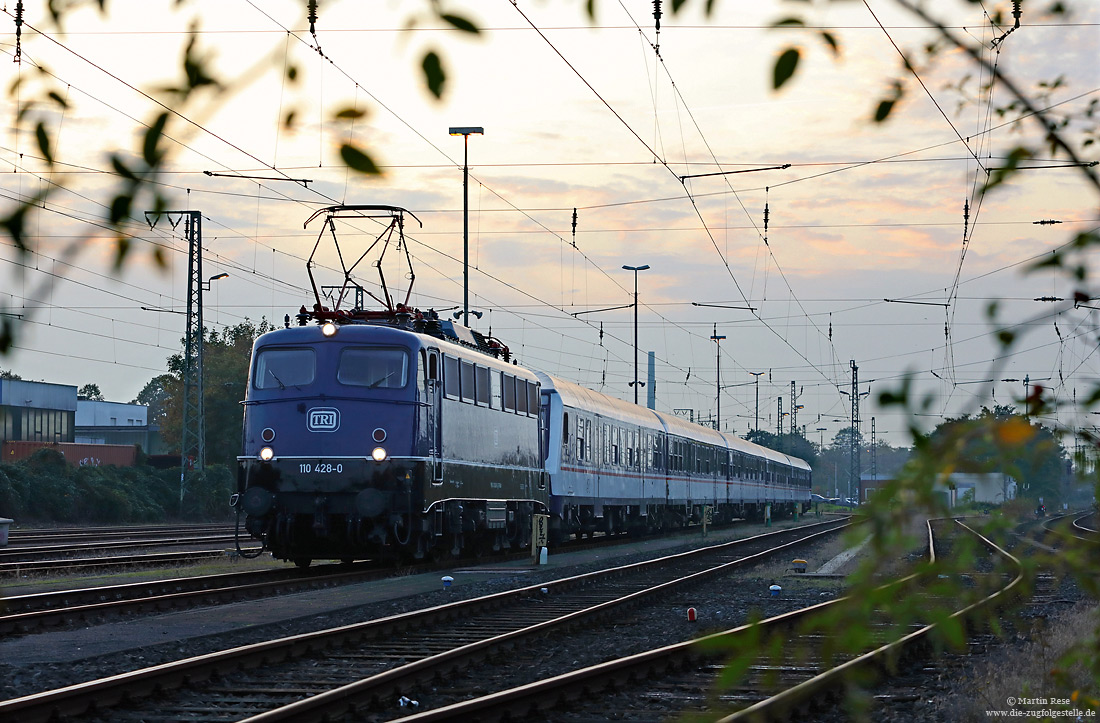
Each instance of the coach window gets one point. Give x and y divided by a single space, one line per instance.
581 436
533 398
481 381
521 396
450 377
467 376
278 368
495 390
509 383
615 445
565 430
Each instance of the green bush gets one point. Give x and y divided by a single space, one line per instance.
44 489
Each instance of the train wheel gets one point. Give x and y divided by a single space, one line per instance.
302 562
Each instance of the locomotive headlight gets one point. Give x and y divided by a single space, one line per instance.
379 454
328 328
267 454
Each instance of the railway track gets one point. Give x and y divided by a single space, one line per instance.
801 671
354 665
64 550
42 536
26 613
84 564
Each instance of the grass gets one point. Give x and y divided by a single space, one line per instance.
1045 665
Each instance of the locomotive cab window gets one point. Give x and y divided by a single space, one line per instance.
373 367
282 368
509 383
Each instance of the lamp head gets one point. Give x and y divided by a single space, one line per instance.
467 131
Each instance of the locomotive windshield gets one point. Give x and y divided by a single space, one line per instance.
282 368
374 367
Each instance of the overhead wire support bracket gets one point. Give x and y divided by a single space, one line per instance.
575 314
304 181
730 173
1079 164
724 306
919 303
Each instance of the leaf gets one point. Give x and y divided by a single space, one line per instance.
884 109
461 23
785 67
791 22
15 225
122 248
350 114
120 208
152 138
56 98
433 73
121 169
831 41
358 160
291 116
43 142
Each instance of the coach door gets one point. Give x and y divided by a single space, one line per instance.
435 416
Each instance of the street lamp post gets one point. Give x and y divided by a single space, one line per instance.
636 383
466 132
757 375
717 338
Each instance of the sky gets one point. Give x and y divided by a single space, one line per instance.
580 114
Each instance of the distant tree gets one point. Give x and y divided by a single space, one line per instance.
6 374
90 392
795 445
1000 440
226 357
155 395
843 439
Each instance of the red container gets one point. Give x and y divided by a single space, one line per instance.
95 455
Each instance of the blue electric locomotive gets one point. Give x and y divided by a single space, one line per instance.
366 438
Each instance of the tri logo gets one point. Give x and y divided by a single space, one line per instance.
323 419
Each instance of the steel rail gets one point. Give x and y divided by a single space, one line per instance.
323 706
40 552
25 612
76 699
29 537
1090 533
153 558
520 701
